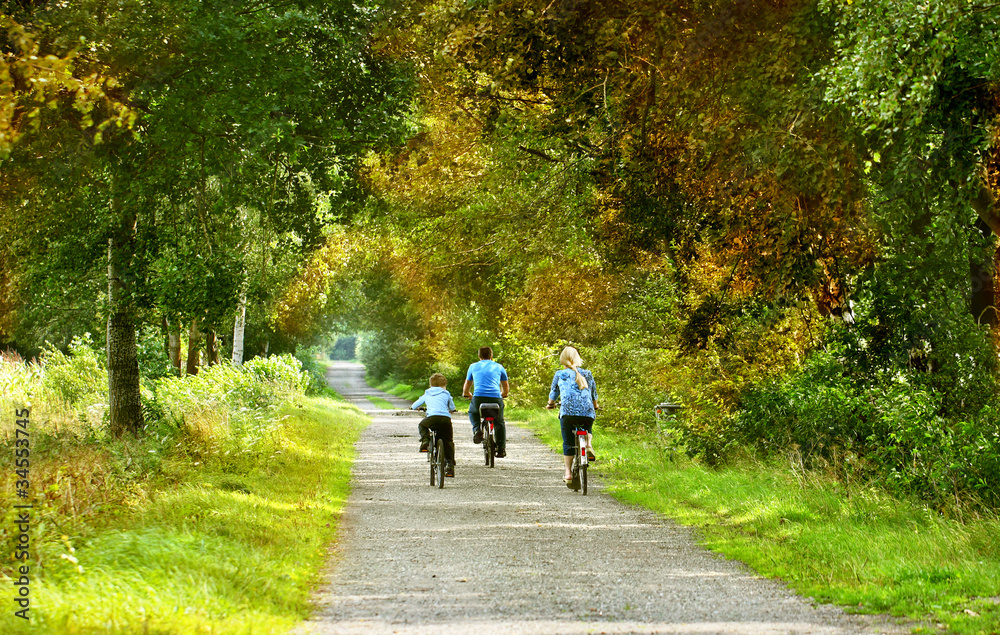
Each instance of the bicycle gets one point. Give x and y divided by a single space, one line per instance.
488 413
581 456
435 456
580 448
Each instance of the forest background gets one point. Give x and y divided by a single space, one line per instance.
780 214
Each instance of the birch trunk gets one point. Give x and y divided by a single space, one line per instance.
239 328
174 345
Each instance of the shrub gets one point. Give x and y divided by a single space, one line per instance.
78 379
893 423
231 409
309 359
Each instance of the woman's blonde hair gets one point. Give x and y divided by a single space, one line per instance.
570 358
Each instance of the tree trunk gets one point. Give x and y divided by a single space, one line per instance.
124 397
174 344
239 328
211 348
986 206
984 293
194 354
984 303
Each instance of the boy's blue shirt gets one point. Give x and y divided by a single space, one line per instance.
438 400
486 376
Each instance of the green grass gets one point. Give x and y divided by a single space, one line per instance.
208 549
410 393
401 390
381 403
858 546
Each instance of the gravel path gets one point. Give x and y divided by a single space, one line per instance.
512 550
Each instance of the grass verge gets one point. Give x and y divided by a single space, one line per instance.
381 403
218 548
408 392
857 547
401 390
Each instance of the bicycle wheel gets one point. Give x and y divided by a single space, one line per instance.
491 452
439 463
583 479
431 460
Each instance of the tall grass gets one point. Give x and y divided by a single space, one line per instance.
213 520
854 545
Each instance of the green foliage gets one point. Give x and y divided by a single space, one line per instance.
889 429
309 358
344 348
382 353
152 354
228 410
77 378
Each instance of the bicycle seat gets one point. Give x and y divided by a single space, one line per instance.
489 410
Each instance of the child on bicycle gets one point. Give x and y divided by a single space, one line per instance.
440 405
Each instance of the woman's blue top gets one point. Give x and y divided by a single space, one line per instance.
575 402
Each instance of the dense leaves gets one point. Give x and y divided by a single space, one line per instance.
765 210
781 214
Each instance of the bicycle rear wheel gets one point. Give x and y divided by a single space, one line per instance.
583 479
439 463
431 460
491 451
574 471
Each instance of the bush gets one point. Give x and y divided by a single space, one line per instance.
309 359
78 379
892 424
228 409
151 351
344 348
381 354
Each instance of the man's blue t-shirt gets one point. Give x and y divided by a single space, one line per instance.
486 376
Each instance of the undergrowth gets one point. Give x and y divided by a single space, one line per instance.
215 518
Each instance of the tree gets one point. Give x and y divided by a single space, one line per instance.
225 95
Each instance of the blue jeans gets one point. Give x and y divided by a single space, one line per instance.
498 425
569 423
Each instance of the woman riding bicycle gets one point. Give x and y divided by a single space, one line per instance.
577 389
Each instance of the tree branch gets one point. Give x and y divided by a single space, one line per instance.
539 153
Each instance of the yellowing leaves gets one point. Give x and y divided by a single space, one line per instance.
561 300
30 81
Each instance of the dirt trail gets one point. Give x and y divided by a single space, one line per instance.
512 550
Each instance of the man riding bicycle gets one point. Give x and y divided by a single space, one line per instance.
490 383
